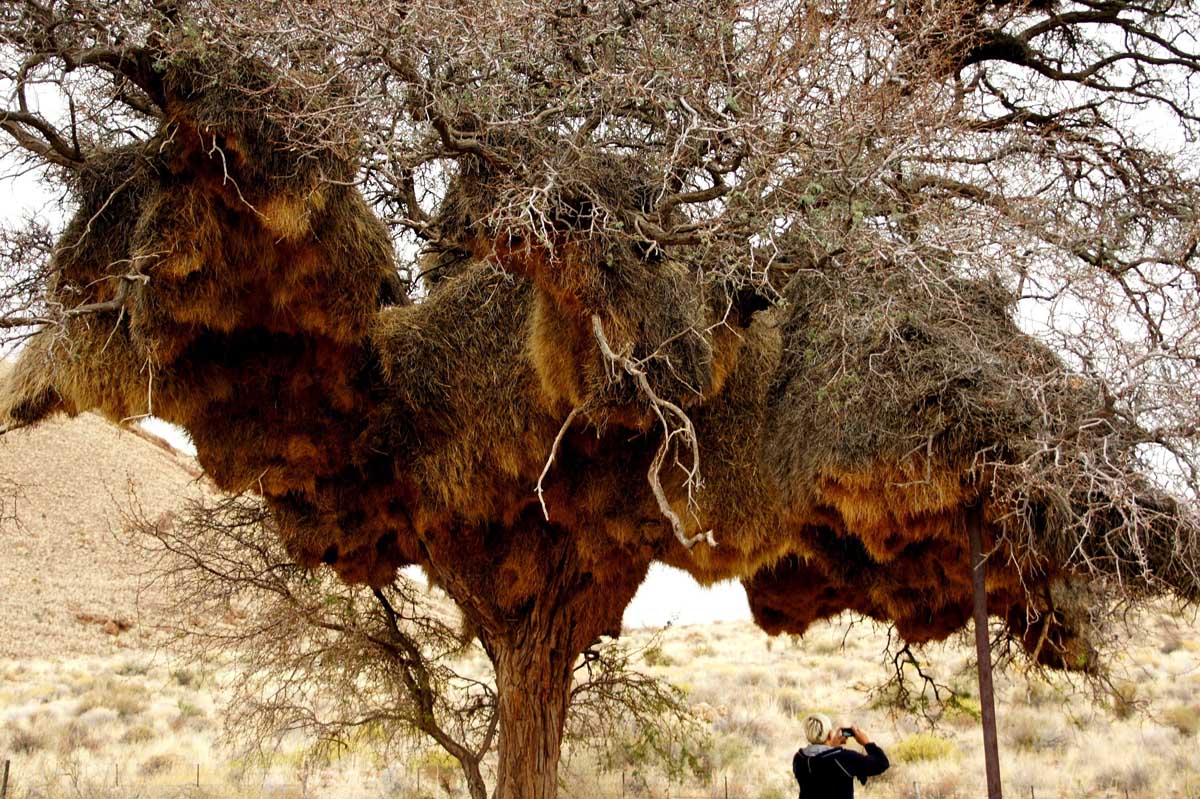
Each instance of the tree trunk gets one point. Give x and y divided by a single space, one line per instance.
533 680
476 787
534 640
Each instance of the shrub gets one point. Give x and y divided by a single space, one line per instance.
75 736
755 678
139 734
727 752
127 700
26 741
1185 719
134 668
924 746
775 792
655 656
963 708
157 765
1125 700
1126 775
748 726
187 710
185 678
190 717
941 785
790 701
1031 732
1039 693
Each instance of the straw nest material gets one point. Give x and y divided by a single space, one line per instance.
842 436
903 398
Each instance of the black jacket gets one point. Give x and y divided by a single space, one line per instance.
828 772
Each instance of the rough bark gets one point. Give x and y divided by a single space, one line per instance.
476 787
535 644
533 679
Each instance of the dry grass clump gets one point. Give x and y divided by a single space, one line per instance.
76 735
1125 775
128 700
1183 718
139 734
1125 699
158 765
748 724
26 740
1033 731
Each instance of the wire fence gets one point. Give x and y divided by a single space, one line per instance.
425 783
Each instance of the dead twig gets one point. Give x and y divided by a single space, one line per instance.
682 427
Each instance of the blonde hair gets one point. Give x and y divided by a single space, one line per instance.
817 728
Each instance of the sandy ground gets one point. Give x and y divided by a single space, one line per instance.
69 575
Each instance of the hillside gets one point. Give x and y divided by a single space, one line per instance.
69 581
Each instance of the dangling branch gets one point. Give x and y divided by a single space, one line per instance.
550 460
683 427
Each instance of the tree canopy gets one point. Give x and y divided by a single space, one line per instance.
534 294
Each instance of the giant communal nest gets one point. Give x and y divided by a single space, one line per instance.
906 397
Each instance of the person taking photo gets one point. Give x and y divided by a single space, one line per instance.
825 769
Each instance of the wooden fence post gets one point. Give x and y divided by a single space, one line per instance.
983 652
4 782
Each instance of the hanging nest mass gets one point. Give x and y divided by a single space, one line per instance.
906 398
565 387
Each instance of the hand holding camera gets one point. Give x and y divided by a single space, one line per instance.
855 733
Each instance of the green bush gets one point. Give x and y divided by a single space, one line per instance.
655 656
963 707
924 746
727 752
187 710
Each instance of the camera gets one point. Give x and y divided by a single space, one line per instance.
847 732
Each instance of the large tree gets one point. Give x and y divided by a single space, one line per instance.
782 291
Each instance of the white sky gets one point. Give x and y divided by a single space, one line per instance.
670 595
